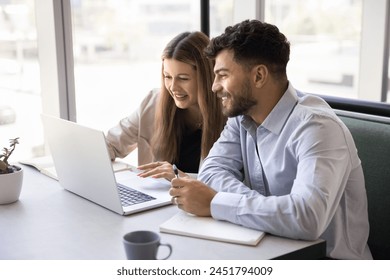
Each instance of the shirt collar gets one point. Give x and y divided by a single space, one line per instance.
277 118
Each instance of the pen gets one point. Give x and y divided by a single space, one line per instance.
175 170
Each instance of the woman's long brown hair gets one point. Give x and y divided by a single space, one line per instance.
187 47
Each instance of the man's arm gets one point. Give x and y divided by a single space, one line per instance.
224 163
323 167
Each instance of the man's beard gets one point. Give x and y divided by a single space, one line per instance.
241 102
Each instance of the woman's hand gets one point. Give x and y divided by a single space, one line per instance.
159 169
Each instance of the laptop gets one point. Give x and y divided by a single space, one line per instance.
83 167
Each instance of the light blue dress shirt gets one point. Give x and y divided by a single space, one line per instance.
296 175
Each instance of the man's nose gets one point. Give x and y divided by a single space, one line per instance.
216 86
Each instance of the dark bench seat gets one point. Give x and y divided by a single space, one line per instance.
372 138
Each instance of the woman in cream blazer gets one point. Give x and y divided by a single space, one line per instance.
178 123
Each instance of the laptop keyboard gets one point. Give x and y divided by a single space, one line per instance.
130 196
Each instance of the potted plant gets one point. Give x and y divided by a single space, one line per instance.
11 176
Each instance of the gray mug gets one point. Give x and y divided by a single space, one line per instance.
143 245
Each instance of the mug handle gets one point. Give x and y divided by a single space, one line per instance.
170 250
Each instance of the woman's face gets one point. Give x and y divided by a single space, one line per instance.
181 81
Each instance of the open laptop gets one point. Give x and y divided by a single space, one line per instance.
83 166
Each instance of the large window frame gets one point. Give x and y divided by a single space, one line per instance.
57 74
374 56
54 29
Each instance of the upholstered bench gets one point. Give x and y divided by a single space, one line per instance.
372 138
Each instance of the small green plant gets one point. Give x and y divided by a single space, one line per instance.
5 167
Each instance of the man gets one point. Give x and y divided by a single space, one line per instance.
285 163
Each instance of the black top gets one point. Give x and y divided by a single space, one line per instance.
189 157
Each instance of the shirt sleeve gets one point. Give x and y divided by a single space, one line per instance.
123 138
223 167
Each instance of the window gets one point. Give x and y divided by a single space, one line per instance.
224 13
325 38
117 48
221 16
20 100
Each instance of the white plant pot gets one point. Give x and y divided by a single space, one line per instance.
10 186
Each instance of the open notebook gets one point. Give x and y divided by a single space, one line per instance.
186 224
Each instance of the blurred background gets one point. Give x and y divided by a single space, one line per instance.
116 48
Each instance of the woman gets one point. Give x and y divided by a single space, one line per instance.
178 123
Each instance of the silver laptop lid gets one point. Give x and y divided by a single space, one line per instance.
82 161
84 167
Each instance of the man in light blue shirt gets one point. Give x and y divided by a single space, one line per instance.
285 163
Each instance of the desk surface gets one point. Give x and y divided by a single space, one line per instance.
49 222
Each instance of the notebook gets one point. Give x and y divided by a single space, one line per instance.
83 167
186 224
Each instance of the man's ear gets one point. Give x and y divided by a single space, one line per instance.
260 74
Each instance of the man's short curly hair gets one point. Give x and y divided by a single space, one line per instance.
253 42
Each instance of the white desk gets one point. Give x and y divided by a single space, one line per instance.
49 222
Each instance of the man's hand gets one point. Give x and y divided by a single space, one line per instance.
192 196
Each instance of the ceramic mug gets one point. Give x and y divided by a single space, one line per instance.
143 245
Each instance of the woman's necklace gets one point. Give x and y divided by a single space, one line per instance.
194 120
